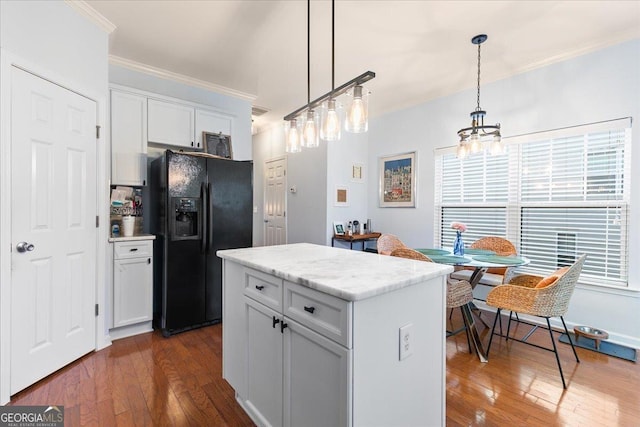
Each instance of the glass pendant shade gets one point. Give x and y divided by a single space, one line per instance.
461 152
357 120
496 147
311 130
330 121
293 143
474 143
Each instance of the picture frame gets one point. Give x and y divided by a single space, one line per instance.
338 228
397 188
341 196
217 144
357 172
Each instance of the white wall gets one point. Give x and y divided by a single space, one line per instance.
52 40
599 86
315 172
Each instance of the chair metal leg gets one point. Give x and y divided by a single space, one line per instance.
466 330
555 351
509 325
570 341
493 329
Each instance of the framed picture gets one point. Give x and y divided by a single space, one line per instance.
398 181
217 144
342 196
357 172
338 228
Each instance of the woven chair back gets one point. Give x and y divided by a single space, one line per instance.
410 254
387 243
553 301
499 245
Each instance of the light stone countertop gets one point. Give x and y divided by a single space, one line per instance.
132 238
350 275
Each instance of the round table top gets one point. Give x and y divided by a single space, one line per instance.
473 258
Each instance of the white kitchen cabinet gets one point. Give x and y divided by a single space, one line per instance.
128 138
313 370
171 124
132 282
212 122
327 361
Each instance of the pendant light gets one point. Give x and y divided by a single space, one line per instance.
328 124
311 131
293 144
472 138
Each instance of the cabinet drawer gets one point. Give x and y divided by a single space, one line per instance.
264 288
325 314
133 249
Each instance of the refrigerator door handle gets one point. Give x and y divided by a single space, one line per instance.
209 218
205 213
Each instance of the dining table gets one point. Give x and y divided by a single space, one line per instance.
481 260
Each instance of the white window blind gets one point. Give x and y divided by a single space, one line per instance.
555 195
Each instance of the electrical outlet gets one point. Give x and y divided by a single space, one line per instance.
406 341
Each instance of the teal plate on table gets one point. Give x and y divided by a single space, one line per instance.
433 251
472 251
495 259
449 259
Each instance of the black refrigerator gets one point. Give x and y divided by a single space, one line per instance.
199 204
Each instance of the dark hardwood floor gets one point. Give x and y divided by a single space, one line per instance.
151 380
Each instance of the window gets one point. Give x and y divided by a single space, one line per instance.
555 195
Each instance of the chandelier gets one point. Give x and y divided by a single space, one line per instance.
305 126
478 135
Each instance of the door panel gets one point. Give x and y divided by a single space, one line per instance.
53 207
275 202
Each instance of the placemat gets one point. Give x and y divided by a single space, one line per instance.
471 251
433 251
606 347
449 259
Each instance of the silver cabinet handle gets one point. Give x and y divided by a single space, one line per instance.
24 247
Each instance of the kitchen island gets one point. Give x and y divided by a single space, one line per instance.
321 336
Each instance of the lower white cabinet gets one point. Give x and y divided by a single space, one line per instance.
296 377
132 283
296 356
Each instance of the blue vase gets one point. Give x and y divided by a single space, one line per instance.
458 245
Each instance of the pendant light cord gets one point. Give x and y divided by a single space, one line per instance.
308 52
478 107
333 43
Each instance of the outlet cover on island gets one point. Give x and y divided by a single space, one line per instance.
406 341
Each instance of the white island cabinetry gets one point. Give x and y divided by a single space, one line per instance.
311 336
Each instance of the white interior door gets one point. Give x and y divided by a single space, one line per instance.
275 202
53 231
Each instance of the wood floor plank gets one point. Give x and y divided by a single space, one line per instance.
177 381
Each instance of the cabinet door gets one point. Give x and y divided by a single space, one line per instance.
170 123
209 121
128 138
317 372
132 291
264 363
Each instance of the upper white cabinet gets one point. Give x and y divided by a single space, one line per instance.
128 138
209 121
171 124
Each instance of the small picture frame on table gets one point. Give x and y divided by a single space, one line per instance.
338 228
217 144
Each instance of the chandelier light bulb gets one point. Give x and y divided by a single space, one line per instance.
357 115
474 143
330 130
292 137
310 134
496 146
461 152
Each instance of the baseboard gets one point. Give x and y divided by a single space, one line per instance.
130 330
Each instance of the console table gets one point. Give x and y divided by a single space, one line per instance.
362 238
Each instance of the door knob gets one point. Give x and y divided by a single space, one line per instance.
24 247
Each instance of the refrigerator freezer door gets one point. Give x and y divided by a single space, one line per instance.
230 221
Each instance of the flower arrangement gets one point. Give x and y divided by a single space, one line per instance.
459 227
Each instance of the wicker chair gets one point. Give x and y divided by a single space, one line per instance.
493 276
459 292
387 243
536 296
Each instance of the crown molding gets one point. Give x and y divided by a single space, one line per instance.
180 78
93 15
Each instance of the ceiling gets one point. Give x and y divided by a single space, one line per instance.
419 50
